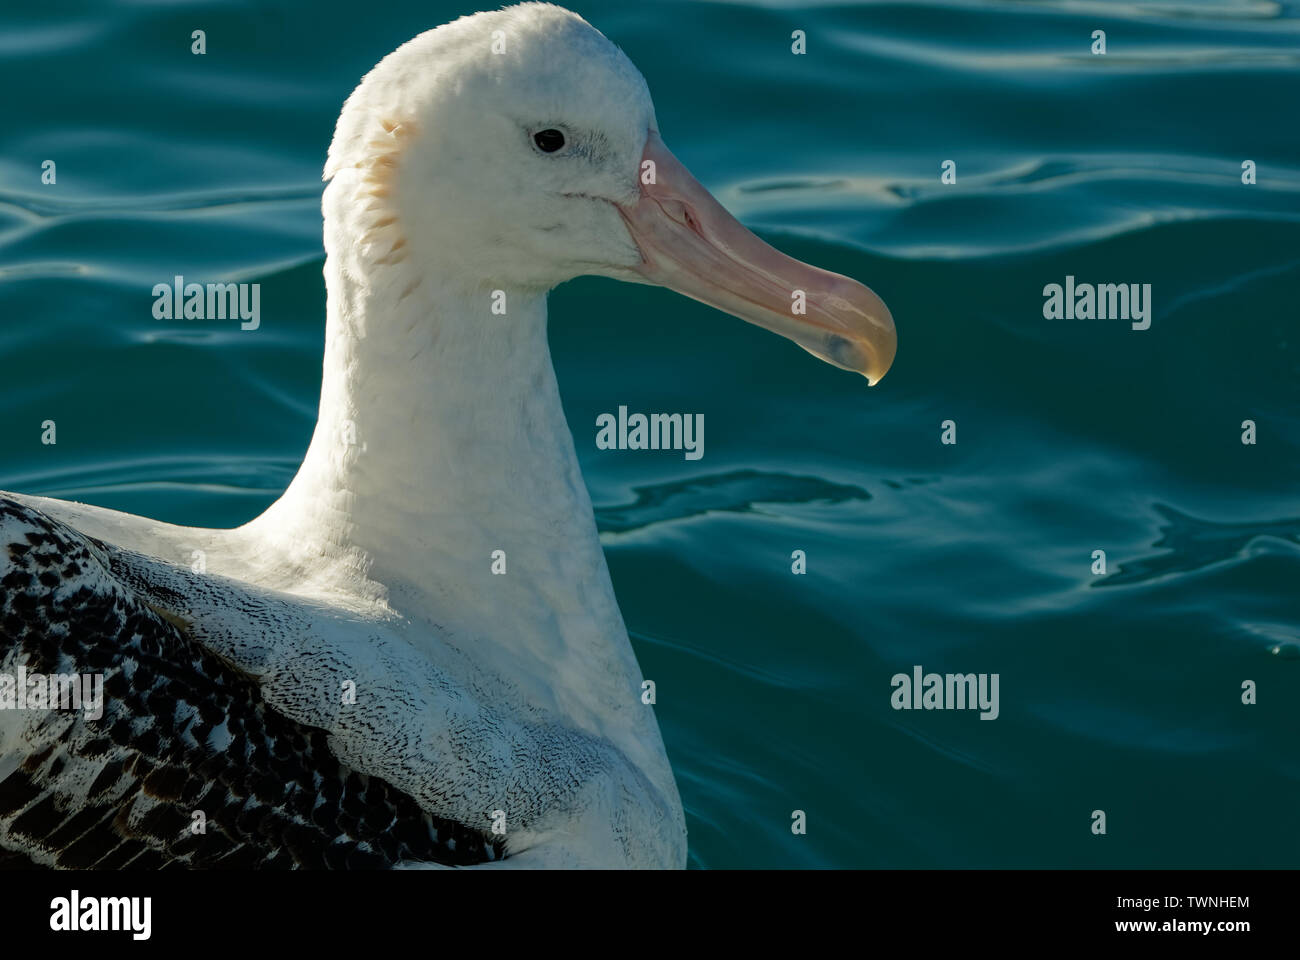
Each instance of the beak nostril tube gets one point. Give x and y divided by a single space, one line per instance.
839 349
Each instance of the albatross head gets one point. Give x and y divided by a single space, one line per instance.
519 149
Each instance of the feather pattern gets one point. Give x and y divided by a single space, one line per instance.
187 763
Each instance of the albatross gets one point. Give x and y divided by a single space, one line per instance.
345 681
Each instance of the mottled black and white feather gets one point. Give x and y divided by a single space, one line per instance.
185 740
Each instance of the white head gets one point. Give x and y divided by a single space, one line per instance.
519 149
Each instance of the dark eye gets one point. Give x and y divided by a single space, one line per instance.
548 141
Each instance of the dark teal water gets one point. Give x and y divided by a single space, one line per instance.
1118 692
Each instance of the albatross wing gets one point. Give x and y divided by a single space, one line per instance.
185 762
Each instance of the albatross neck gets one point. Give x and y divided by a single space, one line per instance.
441 440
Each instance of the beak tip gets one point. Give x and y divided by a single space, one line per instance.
884 340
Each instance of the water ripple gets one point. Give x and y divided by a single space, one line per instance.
737 491
1194 544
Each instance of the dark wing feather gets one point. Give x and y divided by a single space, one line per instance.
181 731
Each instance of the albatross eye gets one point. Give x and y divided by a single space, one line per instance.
548 141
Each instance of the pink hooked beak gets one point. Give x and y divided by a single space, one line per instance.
690 244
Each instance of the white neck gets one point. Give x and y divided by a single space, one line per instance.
441 439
